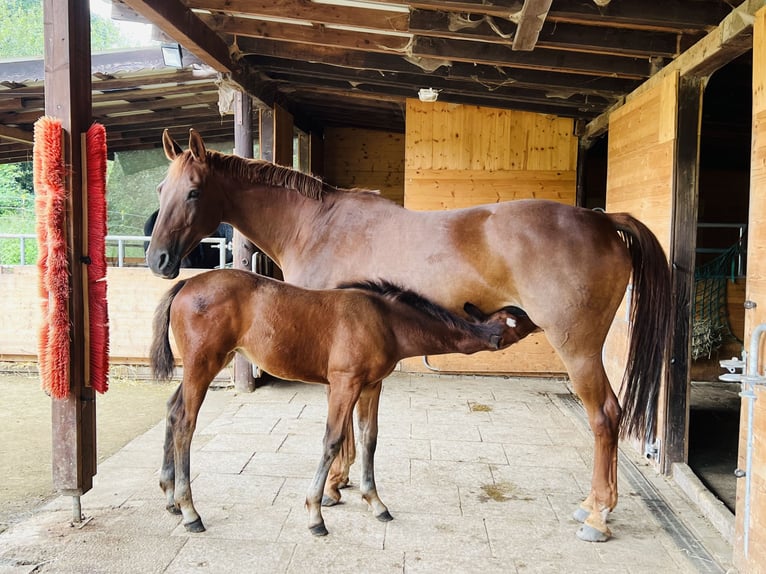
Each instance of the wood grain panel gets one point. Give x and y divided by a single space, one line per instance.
753 558
365 159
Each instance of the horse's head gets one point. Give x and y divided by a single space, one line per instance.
189 209
515 323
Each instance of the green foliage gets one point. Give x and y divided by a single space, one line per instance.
22 33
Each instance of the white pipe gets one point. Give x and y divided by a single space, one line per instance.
748 392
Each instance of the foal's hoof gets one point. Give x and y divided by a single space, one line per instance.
385 516
590 534
318 530
195 526
328 500
173 509
581 515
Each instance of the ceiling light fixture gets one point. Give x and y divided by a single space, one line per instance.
172 55
428 94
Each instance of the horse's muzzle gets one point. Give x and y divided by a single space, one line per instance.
162 263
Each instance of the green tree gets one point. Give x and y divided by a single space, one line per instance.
22 34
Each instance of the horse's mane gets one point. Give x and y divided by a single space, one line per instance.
267 173
412 299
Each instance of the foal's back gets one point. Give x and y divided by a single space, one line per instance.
290 332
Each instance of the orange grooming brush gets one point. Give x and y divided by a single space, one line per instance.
53 264
98 315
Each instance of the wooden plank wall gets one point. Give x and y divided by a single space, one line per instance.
640 179
755 558
365 159
459 156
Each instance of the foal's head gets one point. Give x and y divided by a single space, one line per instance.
189 209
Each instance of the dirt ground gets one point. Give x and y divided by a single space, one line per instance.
129 408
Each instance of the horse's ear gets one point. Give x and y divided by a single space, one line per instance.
172 149
196 145
473 311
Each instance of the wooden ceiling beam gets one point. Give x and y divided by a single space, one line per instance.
267 54
315 35
558 35
391 20
531 20
16 134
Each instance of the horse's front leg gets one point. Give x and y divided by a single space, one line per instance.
339 471
367 410
604 417
168 470
341 397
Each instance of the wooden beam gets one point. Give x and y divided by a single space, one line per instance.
16 134
315 35
549 60
531 20
391 20
68 98
682 255
268 54
731 38
243 249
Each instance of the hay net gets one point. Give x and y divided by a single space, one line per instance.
711 325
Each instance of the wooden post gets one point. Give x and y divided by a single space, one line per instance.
68 97
750 516
244 380
683 243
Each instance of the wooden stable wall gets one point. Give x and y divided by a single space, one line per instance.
640 180
459 156
366 159
752 557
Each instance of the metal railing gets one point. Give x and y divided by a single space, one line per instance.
118 247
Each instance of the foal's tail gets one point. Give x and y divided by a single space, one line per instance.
160 353
650 317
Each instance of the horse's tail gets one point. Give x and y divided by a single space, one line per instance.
650 317
160 353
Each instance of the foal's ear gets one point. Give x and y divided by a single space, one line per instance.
172 149
196 145
474 311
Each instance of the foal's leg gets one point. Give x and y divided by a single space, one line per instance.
338 477
367 410
168 471
591 384
194 388
341 397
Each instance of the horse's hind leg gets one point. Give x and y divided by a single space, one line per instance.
184 419
342 397
367 410
338 477
168 470
591 384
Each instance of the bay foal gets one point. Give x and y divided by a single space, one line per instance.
349 339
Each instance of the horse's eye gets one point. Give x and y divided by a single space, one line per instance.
193 194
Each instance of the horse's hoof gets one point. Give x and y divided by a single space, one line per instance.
590 534
328 500
318 530
173 509
195 526
581 515
385 516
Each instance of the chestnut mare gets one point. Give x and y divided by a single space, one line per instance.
348 339
567 267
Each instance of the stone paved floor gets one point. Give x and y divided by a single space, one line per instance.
480 473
